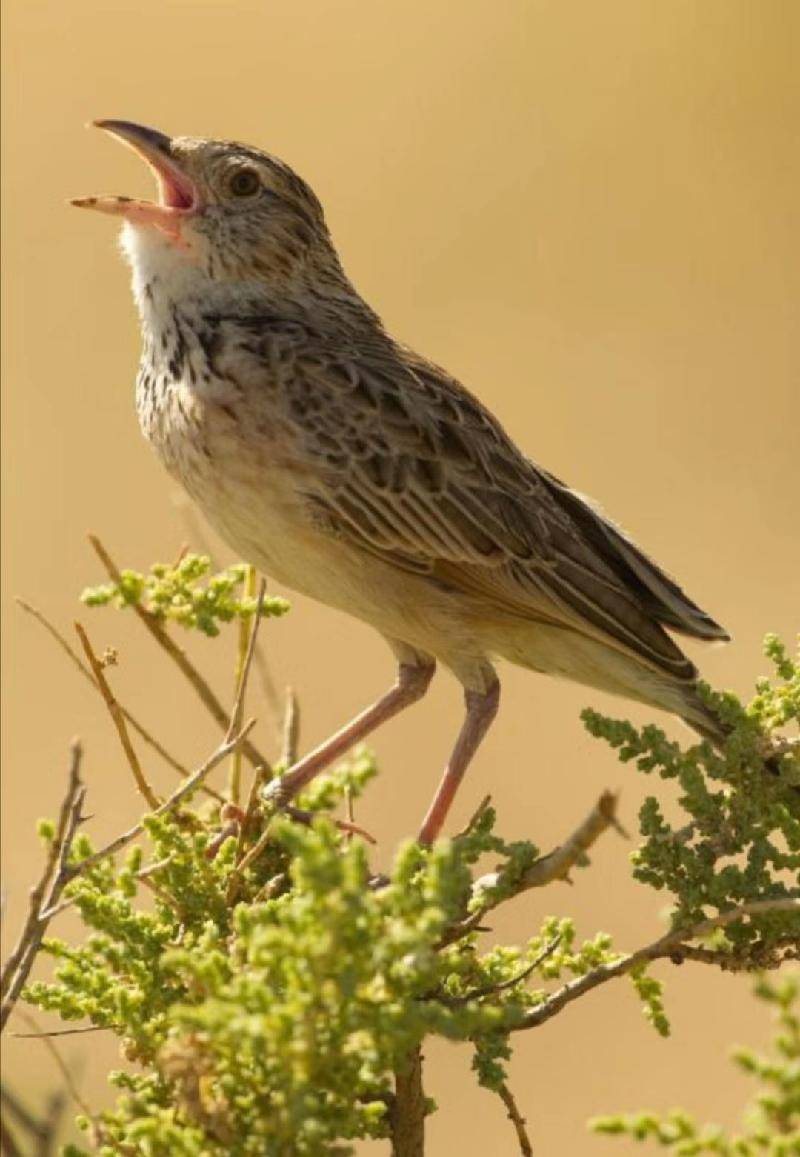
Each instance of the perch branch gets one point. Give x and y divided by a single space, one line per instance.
558 863
181 660
555 865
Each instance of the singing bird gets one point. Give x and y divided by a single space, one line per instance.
349 468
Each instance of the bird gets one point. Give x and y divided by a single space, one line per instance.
348 467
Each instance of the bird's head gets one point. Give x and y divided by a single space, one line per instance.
226 213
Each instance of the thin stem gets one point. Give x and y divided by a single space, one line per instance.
142 731
245 828
145 790
501 986
47 891
235 778
290 736
181 660
178 796
57 909
517 1120
244 675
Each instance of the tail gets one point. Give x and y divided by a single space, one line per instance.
703 720
707 725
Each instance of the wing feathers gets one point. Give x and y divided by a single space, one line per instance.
657 592
425 478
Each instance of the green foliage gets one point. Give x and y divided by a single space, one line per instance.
772 1123
737 837
179 594
273 1025
265 1001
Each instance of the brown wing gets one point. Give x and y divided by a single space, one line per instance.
416 470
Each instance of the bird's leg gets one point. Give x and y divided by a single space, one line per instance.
481 709
412 683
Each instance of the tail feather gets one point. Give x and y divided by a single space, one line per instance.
702 720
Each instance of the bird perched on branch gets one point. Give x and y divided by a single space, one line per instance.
350 468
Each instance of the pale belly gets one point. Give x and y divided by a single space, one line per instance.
256 501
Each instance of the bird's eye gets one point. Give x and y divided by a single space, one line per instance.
244 183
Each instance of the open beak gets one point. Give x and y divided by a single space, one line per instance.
177 194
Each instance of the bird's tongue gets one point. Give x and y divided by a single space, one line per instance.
163 216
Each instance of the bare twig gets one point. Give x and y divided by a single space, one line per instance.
517 1120
48 890
670 945
142 731
558 863
245 828
244 672
181 660
271 888
555 865
57 909
290 736
269 689
145 790
300 816
63 1032
247 641
473 819
151 869
252 854
178 796
501 986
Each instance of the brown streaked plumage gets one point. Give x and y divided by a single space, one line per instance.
348 467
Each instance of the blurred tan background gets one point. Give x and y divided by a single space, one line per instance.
588 211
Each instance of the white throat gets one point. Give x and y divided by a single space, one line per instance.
163 272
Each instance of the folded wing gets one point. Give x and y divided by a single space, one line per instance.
414 469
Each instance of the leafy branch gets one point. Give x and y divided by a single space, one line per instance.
276 992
